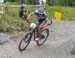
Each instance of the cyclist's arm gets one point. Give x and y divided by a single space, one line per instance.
28 18
30 14
47 22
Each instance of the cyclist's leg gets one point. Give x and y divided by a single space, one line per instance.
39 30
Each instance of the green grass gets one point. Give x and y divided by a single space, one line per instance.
10 21
68 13
73 49
12 3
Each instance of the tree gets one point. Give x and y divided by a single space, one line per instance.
49 2
61 2
11 0
32 2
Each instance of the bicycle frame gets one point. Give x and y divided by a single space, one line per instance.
32 31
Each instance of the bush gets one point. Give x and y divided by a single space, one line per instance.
11 0
61 2
73 50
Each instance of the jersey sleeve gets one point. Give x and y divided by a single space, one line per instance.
36 12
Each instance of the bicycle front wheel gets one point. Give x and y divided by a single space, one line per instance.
24 42
45 33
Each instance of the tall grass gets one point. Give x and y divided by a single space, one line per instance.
68 13
10 20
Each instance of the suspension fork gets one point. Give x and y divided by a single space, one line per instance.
36 33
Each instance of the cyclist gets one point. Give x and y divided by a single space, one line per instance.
42 19
23 14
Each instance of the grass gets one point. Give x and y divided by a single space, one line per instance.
73 50
12 3
68 13
10 20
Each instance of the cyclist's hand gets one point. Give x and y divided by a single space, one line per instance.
41 26
28 20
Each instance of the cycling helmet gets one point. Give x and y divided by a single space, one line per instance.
41 10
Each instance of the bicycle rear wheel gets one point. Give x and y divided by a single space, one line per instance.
24 42
45 33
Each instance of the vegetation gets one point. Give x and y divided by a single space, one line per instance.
73 50
49 2
10 21
61 2
29 2
12 3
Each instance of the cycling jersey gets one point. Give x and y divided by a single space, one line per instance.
41 17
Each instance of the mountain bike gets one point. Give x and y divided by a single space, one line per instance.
33 33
